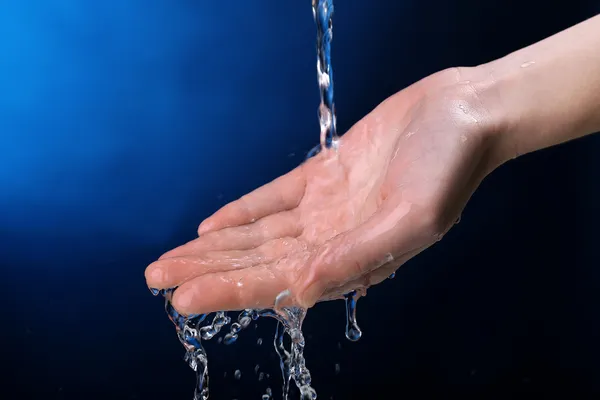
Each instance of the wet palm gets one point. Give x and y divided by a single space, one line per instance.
343 220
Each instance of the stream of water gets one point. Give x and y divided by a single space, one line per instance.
194 329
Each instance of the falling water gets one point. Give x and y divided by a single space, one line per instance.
323 15
289 320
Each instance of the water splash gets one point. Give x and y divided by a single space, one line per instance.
189 335
289 320
243 322
292 362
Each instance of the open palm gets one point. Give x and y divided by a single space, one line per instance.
345 219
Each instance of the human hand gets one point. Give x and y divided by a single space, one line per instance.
401 177
347 220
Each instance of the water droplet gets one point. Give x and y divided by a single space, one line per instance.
235 328
527 64
458 220
261 376
230 338
337 368
237 374
259 341
220 340
281 297
155 292
267 395
353 332
245 321
256 368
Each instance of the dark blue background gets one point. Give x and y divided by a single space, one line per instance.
124 123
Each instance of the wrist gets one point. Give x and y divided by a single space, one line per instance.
498 128
545 94
505 120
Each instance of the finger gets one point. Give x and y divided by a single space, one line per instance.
284 224
174 271
398 228
256 287
283 193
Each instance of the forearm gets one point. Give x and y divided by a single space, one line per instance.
547 93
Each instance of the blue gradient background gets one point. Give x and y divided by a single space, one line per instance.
124 123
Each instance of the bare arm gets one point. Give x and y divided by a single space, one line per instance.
547 93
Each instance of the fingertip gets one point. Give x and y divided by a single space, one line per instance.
183 301
206 226
155 276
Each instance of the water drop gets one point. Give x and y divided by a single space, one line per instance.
230 338
155 292
268 394
256 368
237 374
392 276
281 297
245 321
337 368
527 64
353 332
261 376
259 341
235 328
458 220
